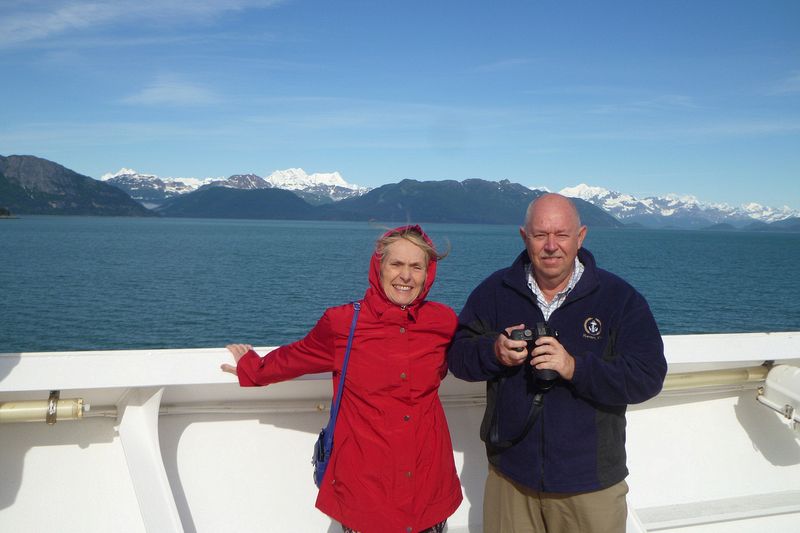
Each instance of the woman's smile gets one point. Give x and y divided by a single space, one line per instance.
404 268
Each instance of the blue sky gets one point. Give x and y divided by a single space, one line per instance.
644 97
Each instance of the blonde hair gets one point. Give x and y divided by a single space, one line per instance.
413 235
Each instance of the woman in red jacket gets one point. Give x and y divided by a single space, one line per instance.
392 466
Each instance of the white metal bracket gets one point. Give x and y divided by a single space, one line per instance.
138 432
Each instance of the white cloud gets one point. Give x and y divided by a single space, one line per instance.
170 91
788 85
503 65
25 21
27 25
664 102
703 131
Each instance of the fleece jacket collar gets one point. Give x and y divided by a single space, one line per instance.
516 280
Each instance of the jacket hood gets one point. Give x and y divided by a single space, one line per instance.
376 290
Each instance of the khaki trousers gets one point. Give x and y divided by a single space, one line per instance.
511 508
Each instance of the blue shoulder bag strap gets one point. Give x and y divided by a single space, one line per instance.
340 389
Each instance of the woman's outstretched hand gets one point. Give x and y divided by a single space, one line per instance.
237 350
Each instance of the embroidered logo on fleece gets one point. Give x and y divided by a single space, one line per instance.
593 328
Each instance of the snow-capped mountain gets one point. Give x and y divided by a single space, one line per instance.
149 189
317 188
674 210
329 185
768 214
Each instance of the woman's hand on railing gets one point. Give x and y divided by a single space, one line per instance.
237 350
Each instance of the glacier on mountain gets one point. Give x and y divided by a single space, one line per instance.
315 188
674 209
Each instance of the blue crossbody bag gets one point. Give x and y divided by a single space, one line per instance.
324 445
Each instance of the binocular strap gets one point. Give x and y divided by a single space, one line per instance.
493 434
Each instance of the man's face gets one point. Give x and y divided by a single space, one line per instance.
552 237
403 271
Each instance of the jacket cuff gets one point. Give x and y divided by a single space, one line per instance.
578 372
490 362
245 368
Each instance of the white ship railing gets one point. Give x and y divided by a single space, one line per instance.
170 443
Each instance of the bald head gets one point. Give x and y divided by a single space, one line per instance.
551 201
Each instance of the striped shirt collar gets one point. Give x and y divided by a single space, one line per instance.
558 299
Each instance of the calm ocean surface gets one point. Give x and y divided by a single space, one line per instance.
86 283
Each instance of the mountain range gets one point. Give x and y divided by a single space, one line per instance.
316 189
675 211
37 186
669 211
47 187
470 201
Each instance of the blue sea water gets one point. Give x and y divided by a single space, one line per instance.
86 283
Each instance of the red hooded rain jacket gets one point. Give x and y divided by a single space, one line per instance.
392 466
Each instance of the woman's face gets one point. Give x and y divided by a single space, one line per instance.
403 271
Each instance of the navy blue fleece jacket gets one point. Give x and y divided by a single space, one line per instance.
578 442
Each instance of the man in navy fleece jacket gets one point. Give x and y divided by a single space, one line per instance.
557 449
